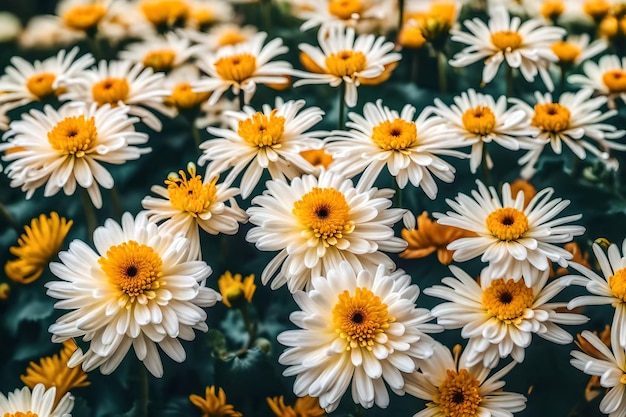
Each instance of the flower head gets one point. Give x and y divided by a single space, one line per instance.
360 329
84 15
140 287
576 49
213 405
165 13
40 402
162 54
41 241
303 407
363 15
607 77
235 288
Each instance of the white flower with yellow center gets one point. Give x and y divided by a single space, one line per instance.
161 53
240 67
499 316
345 58
456 389
84 15
271 140
224 34
24 82
576 49
361 329
317 223
407 146
140 287
610 288
38 403
571 120
61 148
122 83
354 13
189 202
610 365
477 120
607 77
516 240
526 46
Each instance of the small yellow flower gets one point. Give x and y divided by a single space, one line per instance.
235 289
303 407
214 405
5 289
429 237
41 241
52 371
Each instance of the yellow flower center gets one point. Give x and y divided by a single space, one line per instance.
507 223
506 40
236 68
615 80
325 214
551 117
40 85
74 136
132 267
191 194
552 8
507 301
317 157
345 63
617 283
84 16
184 98
344 9
458 394
260 130
597 9
202 15
165 12
110 90
480 120
231 37
566 51
360 318
160 60
395 135
20 414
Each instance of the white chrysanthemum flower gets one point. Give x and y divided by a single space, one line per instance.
409 148
359 14
24 82
575 117
359 329
499 316
607 289
216 114
161 53
122 83
456 389
189 202
575 49
607 77
517 241
46 32
139 288
85 15
64 147
205 13
242 66
182 99
345 58
225 34
526 45
610 366
266 140
477 119
39 402
316 223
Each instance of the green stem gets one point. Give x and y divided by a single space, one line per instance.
195 134
415 66
562 79
4 212
400 14
94 45
242 99
342 106
90 215
509 80
250 328
117 203
442 66
397 197
266 14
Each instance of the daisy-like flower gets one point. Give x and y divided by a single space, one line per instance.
609 365
345 58
190 203
303 407
575 117
607 77
165 14
361 14
361 329
161 53
39 243
517 241
47 32
140 287
213 404
316 223
122 83
454 388
225 34
478 120
407 146
576 49
64 147
526 45
499 316
39 402
24 82
84 15
242 66
205 13
270 140
182 98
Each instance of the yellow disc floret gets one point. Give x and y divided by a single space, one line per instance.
567 52
260 130
506 40
459 394
191 195
40 85
344 9
84 16
74 135
360 318
480 120
507 223
617 283
345 63
508 300
397 135
184 98
615 80
165 12
20 414
110 90
551 117
160 59
236 68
